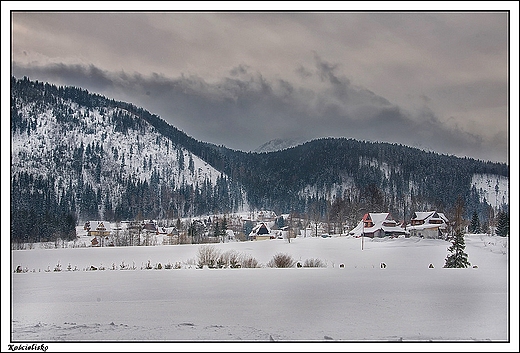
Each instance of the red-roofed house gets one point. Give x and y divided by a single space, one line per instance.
377 225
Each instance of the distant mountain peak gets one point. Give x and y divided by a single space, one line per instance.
277 145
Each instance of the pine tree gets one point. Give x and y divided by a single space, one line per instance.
502 224
474 226
458 258
223 229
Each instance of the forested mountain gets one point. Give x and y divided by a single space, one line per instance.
77 156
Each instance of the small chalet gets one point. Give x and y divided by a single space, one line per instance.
97 228
377 225
261 232
431 225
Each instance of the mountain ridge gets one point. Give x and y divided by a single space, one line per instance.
109 159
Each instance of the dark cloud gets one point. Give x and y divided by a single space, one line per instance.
436 80
246 109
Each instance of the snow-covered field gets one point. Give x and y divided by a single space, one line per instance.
351 299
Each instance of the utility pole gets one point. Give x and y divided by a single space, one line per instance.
363 229
363 236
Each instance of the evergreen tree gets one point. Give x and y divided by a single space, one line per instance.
223 229
216 231
280 222
474 226
502 224
458 257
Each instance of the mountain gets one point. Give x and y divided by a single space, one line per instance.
79 156
277 145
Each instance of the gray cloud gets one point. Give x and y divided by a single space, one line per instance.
432 80
245 109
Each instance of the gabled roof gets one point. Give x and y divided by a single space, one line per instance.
261 228
99 225
427 218
424 216
421 216
382 221
379 218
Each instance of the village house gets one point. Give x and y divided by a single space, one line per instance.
261 232
97 228
100 230
431 225
377 225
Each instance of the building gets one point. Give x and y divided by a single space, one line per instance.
431 225
377 225
97 228
261 232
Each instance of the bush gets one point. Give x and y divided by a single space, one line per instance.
248 261
208 255
281 261
314 263
230 258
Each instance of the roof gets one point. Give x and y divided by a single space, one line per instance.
382 221
427 217
423 216
261 228
426 226
99 225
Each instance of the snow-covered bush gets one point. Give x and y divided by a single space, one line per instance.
313 263
208 255
280 260
248 261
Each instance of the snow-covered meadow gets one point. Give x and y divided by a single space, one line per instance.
351 299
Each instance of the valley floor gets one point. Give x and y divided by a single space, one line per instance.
357 302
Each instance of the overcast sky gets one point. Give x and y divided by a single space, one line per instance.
434 80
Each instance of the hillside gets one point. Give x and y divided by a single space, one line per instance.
77 156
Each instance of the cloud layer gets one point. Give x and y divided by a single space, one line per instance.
432 80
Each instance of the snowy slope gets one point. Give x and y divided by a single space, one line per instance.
277 145
359 301
493 188
137 153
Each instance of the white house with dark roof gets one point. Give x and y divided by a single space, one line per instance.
377 225
261 232
431 224
97 228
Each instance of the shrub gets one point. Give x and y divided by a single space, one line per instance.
248 261
234 259
281 261
314 263
208 255
230 258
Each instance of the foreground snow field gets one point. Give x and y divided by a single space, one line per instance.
359 301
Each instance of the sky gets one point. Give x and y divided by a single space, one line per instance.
433 80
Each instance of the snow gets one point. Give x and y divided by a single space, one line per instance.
123 152
493 188
357 301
